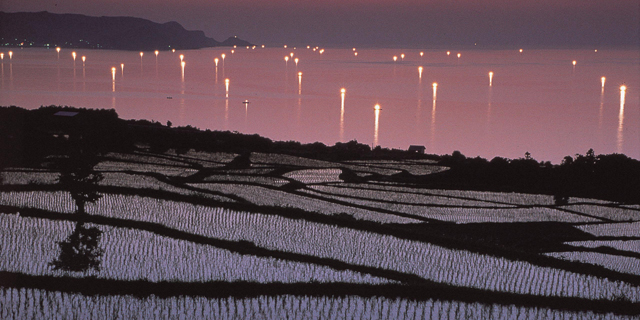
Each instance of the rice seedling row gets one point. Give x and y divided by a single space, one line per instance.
28 177
623 245
606 212
467 215
268 197
36 303
616 229
614 262
315 175
207 159
59 201
140 255
239 179
146 158
414 168
135 167
364 248
400 197
286 160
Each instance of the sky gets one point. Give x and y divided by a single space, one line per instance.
381 23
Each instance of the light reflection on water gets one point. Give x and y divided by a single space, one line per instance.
623 91
376 126
539 105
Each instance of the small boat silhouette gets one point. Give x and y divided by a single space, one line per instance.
169 97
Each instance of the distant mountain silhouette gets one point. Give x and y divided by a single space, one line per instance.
37 29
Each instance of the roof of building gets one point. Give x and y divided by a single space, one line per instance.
65 113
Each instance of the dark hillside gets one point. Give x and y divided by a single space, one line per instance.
80 31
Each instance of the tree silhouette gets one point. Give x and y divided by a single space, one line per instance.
78 177
80 252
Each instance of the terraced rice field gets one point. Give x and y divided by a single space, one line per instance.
287 237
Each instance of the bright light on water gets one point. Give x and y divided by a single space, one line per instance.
462 103
156 52
602 80
73 54
574 62
342 94
376 124
420 72
448 52
623 93
395 58
181 57
490 78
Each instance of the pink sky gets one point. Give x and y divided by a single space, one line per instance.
381 22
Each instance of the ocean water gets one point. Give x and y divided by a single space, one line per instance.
537 100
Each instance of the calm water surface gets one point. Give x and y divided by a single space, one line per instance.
537 101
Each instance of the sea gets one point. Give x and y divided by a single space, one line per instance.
550 103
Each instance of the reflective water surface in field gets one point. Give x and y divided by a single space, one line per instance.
536 100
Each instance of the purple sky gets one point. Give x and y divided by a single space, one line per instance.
408 23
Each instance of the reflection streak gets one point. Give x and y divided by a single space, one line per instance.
601 104
226 113
433 116
342 94
489 107
375 129
623 91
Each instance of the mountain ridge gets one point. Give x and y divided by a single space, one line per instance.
44 29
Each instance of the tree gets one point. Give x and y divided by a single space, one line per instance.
78 177
80 252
